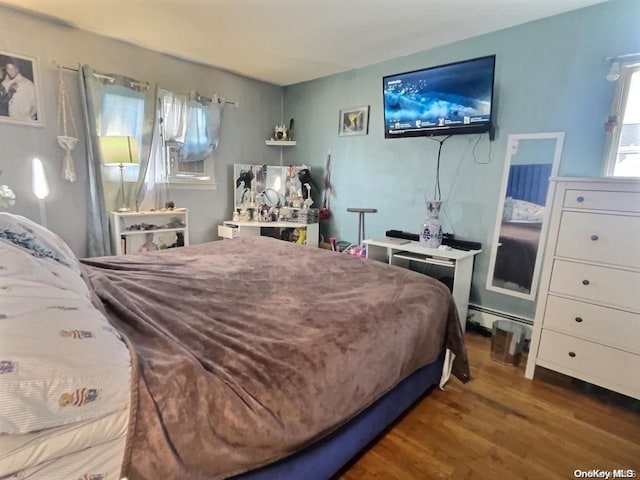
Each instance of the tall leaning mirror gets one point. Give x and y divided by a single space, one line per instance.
517 247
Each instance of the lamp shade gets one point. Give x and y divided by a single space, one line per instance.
118 150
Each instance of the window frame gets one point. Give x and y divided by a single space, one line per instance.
617 114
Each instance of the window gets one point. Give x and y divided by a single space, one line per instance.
624 143
122 115
189 139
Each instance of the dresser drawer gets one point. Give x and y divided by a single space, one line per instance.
602 200
600 238
591 362
592 322
609 286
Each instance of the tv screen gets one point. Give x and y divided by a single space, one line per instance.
444 100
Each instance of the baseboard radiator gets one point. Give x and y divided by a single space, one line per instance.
484 317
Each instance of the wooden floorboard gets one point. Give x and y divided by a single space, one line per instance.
503 426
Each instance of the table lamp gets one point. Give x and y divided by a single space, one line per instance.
119 152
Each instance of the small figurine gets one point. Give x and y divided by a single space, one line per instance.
280 133
291 123
148 245
244 215
308 200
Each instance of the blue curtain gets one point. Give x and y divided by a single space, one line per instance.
99 241
121 106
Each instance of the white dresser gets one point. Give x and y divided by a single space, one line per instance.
587 322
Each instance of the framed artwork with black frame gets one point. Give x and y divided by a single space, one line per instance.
354 121
20 93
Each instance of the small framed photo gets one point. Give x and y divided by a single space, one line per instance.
20 94
354 121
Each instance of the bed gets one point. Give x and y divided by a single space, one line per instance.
228 359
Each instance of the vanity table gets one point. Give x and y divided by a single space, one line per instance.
458 262
231 229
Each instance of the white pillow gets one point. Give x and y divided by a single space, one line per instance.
36 239
60 360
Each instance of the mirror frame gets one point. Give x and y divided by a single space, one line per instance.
512 147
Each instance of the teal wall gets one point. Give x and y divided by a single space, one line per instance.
550 76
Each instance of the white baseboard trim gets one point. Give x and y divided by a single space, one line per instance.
485 317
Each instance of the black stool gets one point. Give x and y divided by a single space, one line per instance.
361 212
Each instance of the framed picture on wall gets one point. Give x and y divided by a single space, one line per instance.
20 94
354 121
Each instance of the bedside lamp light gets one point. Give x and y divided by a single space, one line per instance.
119 152
40 187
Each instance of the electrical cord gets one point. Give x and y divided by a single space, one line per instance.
475 159
436 193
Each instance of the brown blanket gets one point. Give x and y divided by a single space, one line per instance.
248 350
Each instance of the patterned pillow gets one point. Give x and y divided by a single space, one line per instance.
527 212
36 239
507 212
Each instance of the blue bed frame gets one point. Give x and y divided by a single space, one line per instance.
326 457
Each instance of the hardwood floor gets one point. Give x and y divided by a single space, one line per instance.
503 426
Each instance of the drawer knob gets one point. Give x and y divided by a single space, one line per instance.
572 354
580 199
594 237
586 282
579 319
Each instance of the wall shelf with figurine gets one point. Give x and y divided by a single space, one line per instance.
143 232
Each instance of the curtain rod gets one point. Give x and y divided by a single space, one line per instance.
202 98
199 97
625 55
97 75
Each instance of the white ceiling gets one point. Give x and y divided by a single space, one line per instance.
290 41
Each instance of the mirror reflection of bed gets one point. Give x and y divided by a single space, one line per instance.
531 160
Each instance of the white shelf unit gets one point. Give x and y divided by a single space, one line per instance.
130 231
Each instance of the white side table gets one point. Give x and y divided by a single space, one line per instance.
459 261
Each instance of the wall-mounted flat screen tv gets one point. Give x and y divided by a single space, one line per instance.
443 100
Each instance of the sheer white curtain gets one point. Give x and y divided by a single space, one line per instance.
191 129
203 129
174 111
